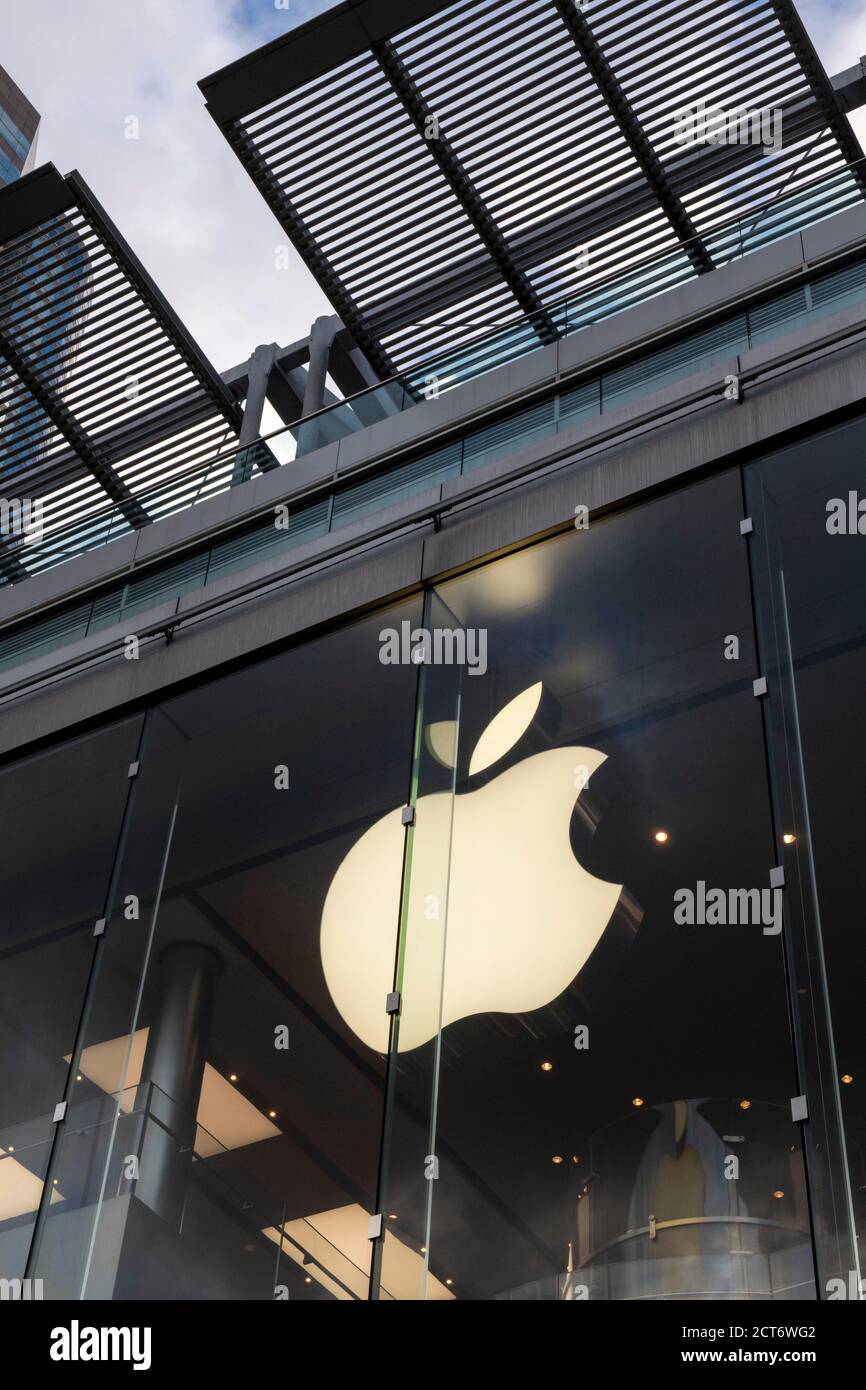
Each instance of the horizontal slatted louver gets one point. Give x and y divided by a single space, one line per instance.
104 399
552 170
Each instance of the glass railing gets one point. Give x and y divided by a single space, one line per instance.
603 297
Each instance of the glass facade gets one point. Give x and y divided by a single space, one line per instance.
446 956
19 123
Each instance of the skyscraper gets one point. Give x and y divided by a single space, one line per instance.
19 126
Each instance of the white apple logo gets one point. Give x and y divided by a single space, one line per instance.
501 916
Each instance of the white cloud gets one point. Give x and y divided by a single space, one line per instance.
178 193
837 28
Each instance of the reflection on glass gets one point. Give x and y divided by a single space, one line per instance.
225 1140
810 587
62 813
583 1029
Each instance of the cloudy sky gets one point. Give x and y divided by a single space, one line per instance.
178 193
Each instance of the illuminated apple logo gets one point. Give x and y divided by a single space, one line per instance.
501 916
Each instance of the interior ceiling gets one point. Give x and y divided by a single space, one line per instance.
554 131
106 403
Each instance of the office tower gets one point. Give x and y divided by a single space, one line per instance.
19 126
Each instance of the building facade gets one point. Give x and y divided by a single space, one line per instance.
19 127
430 864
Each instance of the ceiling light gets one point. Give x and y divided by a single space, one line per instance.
272 1114
638 1101
745 1105
78 1077
778 1194
557 1158
449 1282
661 837
308 1280
233 1076
574 1158
847 1079
423 1249
392 1216
338 1242
789 839
547 1066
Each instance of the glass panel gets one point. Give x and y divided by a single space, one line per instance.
695 353
99 1138
234 1085
396 485
615 1062
810 587
411 1158
61 816
256 547
508 435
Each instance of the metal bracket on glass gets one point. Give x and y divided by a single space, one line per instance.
777 878
392 1003
747 526
759 687
374 1227
99 927
799 1109
59 1112
133 769
407 815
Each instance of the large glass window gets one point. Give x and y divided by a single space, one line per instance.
466 916
594 1056
809 508
227 1134
62 814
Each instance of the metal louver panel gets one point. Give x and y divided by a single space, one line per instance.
104 397
446 168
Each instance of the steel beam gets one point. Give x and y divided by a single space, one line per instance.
623 113
850 86
795 32
463 188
